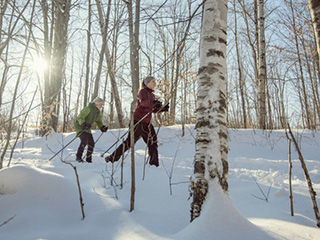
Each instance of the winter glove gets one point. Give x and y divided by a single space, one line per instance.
85 126
104 128
157 104
165 108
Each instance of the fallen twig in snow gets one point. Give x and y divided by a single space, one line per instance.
266 197
5 222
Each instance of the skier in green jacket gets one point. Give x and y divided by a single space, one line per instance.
88 116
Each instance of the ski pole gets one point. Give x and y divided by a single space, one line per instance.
65 146
126 133
99 137
114 144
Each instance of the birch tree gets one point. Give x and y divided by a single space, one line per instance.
262 68
314 6
211 162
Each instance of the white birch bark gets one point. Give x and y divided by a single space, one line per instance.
211 141
314 6
262 68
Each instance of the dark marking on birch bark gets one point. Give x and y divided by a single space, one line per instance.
214 53
211 68
223 178
218 121
222 40
204 141
202 123
210 39
199 167
223 135
224 150
201 109
200 190
212 173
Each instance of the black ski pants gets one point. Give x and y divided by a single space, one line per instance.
149 136
86 139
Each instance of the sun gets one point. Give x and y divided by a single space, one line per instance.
39 65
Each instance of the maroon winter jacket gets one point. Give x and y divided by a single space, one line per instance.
145 100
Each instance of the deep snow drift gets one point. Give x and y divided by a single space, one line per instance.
39 199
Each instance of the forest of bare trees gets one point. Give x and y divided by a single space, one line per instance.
57 55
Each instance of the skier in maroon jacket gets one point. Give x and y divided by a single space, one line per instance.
146 103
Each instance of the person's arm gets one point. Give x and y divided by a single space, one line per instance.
157 105
144 100
82 116
100 125
99 121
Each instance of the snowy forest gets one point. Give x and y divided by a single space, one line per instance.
223 66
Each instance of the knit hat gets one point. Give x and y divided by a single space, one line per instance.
147 80
98 100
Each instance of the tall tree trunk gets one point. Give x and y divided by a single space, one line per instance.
111 71
305 102
241 81
314 6
47 56
101 54
254 44
134 29
312 94
86 80
54 85
211 142
262 69
62 11
118 12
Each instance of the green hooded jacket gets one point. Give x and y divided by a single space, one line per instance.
90 114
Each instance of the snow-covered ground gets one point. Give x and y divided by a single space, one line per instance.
39 199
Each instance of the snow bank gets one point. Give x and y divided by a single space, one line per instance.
38 198
220 220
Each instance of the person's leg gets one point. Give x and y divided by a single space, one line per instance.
90 148
125 145
150 137
83 142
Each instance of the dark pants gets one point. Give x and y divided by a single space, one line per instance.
149 136
86 139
